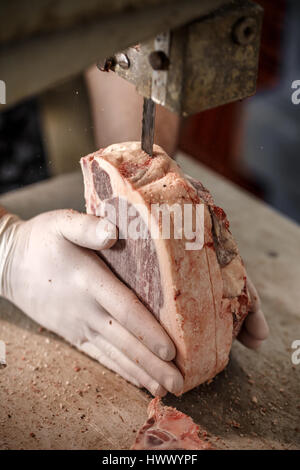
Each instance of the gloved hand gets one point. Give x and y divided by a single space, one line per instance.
48 269
255 328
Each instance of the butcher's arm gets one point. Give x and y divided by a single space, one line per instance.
49 269
117 110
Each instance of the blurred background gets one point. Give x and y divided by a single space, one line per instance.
255 143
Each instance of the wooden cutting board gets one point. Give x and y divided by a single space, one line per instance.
53 397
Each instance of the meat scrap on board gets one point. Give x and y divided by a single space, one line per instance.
169 429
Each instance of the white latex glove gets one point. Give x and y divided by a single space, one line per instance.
255 328
48 269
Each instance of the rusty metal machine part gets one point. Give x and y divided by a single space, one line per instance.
73 35
206 63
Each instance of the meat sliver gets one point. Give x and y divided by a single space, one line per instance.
169 429
199 296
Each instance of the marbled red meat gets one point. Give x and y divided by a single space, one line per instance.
199 296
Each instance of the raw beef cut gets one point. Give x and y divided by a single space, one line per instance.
199 296
168 429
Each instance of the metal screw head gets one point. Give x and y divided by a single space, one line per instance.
245 31
107 64
122 60
159 60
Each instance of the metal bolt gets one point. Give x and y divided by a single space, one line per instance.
159 60
122 60
245 31
107 64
